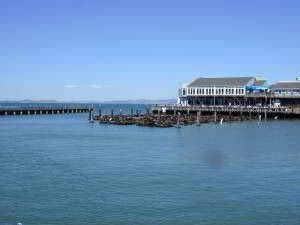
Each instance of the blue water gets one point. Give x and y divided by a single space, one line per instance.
61 170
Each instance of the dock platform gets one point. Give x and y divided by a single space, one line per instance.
40 110
238 110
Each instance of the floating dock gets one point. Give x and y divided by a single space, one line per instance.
227 110
42 110
175 116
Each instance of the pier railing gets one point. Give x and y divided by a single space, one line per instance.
62 107
244 109
38 110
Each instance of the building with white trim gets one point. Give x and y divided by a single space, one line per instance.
221 91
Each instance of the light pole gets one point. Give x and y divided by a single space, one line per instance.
215 111
214 96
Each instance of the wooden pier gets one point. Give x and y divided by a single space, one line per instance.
176 116
267 112
42 110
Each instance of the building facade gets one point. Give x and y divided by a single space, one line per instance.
286 92
222 91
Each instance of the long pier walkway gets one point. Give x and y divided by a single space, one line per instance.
238 110
39 110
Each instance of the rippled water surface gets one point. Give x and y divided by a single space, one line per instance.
61 170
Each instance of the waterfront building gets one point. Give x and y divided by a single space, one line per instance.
224 91
286 92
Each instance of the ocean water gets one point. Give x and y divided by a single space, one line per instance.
62 170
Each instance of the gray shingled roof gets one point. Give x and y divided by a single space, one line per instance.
260 82
286 85
223 81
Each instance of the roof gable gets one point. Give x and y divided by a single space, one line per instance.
286 85
222 81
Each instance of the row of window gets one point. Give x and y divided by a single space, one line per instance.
211 91
287 91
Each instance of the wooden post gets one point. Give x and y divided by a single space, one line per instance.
90 114
198 117
265 114
178 120
215 116
241 113
131 112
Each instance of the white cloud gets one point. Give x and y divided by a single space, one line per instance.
91 86
71 86
96 86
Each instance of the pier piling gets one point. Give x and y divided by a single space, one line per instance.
215 116
265 114
131 112
198 117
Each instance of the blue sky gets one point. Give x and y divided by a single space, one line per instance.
114 49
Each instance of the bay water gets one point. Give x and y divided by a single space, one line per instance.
63 170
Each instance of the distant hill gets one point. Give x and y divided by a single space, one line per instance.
138 101
144 101
30 101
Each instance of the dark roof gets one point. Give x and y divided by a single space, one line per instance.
260 82
286 85
223 81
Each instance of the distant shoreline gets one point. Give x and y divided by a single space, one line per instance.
138 101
